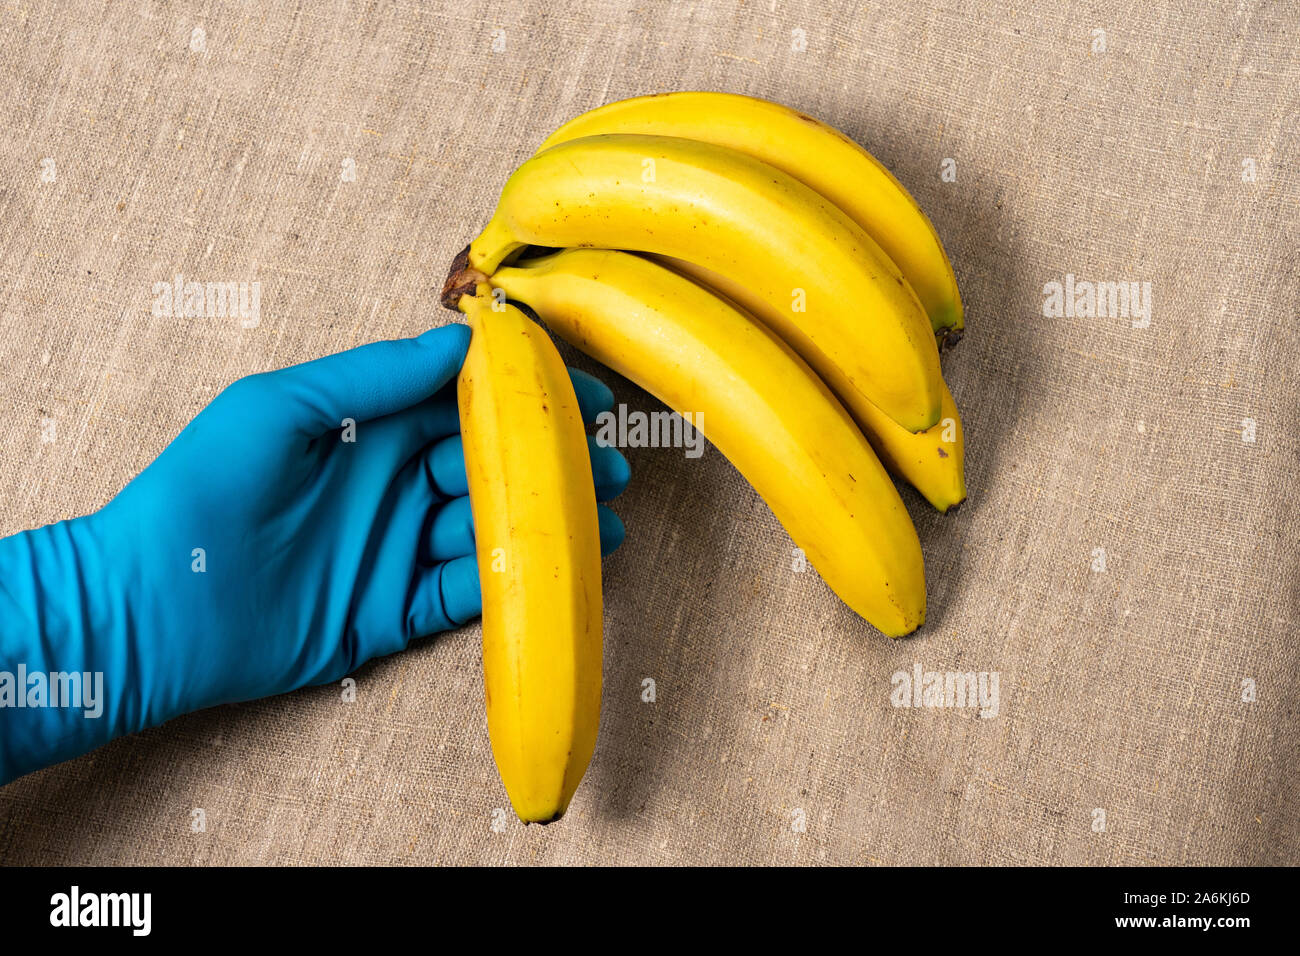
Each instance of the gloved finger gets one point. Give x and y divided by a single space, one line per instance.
449 532
593 395
371 381
612 530
444 596
609 468
444 463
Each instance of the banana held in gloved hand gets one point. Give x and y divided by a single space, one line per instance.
538 554
306 521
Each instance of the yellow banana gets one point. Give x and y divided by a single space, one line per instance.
534 504
932 461
763 407
813 153
830 289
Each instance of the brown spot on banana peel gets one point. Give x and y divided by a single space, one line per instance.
462 279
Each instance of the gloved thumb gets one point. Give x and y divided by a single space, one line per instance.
370 381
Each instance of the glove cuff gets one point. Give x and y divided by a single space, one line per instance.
64 666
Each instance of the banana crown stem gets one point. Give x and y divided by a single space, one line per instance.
462 280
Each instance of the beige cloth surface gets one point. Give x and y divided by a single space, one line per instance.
221 155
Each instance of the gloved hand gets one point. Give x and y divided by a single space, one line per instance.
306 521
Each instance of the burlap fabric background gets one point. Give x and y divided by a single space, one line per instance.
222 155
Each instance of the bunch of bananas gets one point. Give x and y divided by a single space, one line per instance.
740 261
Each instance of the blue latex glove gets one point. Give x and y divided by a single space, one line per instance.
261 552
